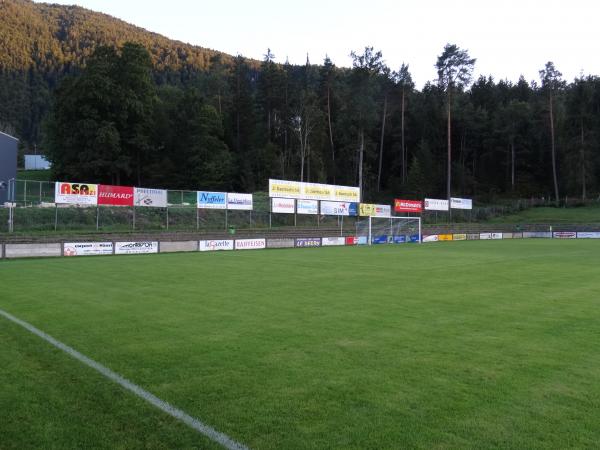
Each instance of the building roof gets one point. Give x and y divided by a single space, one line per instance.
8 135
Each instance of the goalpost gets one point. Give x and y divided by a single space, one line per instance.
391 230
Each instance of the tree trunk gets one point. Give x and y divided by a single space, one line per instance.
449 168
360 162
583 180
381 144
512 164
330 132
404 157
556 195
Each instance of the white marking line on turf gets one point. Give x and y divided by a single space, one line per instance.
192 422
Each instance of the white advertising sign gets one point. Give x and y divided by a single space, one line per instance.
131 248
331 241
283 205
307 206
88 248
461 203
335 208
383 211
216 245
156 198
496 235
239 201
435 204
250 244
76 193
588 235
565 235
485 235
431 238
313 191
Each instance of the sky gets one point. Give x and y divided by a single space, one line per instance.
508 38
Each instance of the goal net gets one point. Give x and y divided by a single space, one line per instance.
389 230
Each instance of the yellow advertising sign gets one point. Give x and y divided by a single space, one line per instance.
366 209
316 190
459 237
313 191
284 189
445 237
347 195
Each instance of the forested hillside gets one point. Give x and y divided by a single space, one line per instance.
167 114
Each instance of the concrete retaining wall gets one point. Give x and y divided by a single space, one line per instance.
32 250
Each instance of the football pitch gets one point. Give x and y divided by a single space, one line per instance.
479 344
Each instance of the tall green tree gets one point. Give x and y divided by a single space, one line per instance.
455 68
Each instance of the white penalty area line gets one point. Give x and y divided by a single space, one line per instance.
178 414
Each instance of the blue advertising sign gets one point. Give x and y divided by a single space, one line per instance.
362 240
353 209
399 239
212 200
414 238
380 239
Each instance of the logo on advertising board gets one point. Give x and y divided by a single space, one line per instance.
399 239
250 244
351 240
115 195
414 238
308 242
496 235
283 205
565 235
76 193
333 241
88 248
212 200
131 248
307 206
435 204
461 203
155 198
216 245
410 206
239 201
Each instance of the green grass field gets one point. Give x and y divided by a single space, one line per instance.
438 346
581 214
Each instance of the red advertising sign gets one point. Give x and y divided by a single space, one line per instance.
413 206
351 240
115 195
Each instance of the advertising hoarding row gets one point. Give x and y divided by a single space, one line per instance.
436 204
313 191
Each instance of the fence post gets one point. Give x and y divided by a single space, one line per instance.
133 222
197 219
167 208
97 216
55 217
226 218
25 192
40 192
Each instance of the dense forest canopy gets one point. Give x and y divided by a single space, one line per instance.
122 105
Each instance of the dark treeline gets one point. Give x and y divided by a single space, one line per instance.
234 126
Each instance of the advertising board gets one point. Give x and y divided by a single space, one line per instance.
517 235
588 235
461 203
333 241
445 237
367 209
212 200
215 245
496 235
75 193
351 240
537 234
414 238
459 237
134 248
313 191
155 198
379 239
485 236
408 206
307 206
565 235
281 243
250 244
434 204
115 195
239 201
362 240
399 239
308 242
430 238
87 248
336 208
472 236
283 205
507 235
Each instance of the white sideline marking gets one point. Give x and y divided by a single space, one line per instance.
192 422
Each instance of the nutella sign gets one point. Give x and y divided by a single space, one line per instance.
115 195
